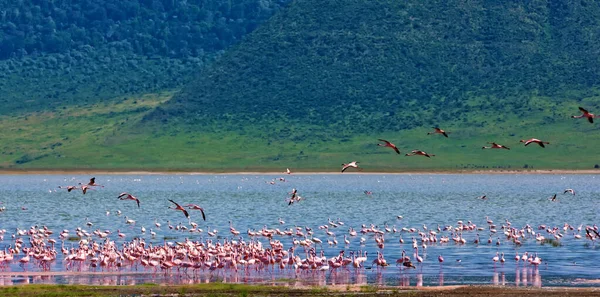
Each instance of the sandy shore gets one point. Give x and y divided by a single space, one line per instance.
268 172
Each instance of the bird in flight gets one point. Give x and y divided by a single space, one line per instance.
69 188
483 197
553 198
196 207
178 207
534 140
437 130
351 164
294 196
127 196
389 144
495 146
569 191
287 171
585 114
420 153
93 183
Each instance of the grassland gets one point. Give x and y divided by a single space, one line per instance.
110 136
219 289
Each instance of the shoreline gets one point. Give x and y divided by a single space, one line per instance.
275 290
269 172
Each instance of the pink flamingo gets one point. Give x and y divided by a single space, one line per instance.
127 196
93 183
351 164
389 144
196 207
420 153
437 130
178 207
585 114
534 140
495 146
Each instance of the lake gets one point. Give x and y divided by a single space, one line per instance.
257 201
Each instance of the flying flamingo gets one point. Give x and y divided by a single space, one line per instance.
569 191
585 114
388 144
287 171
438 131
127 196
534 140
196 207
351 164
84 189
420 153
93 183
69 188
495 146
178 207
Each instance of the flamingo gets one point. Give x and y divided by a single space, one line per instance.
196 207
388 144
534 140
294 196
553 198
178 207
287 171
69 188
93 183
84 189
420 153
437 130
585 114
569 191
495 146
351 164
127 196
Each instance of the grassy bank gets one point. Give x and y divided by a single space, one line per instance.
265 290
108 136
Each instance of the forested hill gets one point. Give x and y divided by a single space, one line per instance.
363 66
62 52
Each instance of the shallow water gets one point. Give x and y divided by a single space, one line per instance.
252 202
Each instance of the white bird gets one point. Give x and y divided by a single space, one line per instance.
351 164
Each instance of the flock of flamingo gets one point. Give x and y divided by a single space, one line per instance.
584 114
289 250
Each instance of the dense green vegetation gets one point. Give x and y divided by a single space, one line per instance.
57 53
363 66
314 86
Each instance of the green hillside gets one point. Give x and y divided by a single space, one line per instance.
359 66
321 81
62 53
94 138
